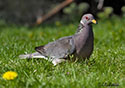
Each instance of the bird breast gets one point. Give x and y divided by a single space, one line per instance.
84 43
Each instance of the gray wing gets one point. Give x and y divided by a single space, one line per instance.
60 48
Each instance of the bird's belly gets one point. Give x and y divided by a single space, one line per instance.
85 51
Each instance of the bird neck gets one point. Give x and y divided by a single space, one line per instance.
84 27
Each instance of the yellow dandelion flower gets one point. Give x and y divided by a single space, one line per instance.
10 75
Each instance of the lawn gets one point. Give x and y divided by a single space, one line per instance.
105 68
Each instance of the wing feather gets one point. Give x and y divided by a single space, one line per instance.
60 48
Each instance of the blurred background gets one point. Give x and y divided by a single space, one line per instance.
30 12
25 24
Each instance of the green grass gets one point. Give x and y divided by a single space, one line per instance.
105 67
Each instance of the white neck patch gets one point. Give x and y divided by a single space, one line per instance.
81 22
81 28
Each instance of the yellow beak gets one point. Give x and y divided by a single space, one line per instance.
94 21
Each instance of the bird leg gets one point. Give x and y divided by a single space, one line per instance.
57 61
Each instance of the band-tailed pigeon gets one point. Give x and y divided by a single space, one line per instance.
80 44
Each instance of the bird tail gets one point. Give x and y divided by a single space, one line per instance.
33 55
24 56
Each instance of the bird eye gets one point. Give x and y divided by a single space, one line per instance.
87 18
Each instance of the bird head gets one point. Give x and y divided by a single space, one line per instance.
88 19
